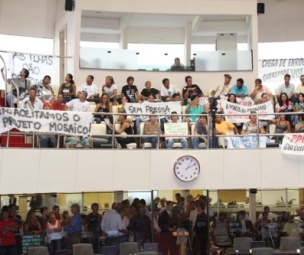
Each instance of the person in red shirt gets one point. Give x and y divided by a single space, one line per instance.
58 105
8 227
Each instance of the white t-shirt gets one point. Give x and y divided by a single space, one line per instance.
164 92
79 106
90 89
110 91
38 105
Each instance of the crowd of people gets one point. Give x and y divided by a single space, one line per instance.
195 103
138 222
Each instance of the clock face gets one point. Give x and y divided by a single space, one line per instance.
186 168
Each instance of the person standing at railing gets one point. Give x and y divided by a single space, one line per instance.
68 89
23 84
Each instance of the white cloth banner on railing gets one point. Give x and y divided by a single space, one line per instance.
155 108
293 144
231 108
45 121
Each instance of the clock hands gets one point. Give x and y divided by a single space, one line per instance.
190 166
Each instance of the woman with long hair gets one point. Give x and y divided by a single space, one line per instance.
110 89
68 88
53 230
45 90
104 106
31 225
282 126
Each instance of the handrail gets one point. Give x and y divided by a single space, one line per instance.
159 135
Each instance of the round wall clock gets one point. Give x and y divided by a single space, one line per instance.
186 168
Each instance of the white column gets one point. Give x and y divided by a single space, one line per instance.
252 206
118 196
187 44
50 200
253 41
123 40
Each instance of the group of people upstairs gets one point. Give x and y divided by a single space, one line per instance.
138 222
41 96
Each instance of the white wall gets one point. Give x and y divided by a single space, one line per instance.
39 171
34 18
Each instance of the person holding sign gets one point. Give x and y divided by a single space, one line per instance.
23 84
68 89
7 228
171 141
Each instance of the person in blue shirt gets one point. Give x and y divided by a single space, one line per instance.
74 226
239 89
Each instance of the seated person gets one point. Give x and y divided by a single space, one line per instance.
191 89
104 106
300 105
282 126
284 105
151 128
222 89
148 91
73 141
291 228
125 128
177 66
171 141
130 90
251 127
200 130
300 125
259 89
47 141
167 90
58 105
194 107
223 127
221 220
262 226
110 89
32 102
140 119
246 228
239 89
124 100
91 89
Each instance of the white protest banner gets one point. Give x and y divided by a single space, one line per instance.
272 71
45 121
293 144
231 108
179 128
38 66
162 108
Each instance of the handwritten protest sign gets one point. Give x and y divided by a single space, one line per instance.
41 121
293 144
155 108
38 66
231 108
176 129
30 241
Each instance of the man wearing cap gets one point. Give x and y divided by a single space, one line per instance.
79 105
91 88
222 89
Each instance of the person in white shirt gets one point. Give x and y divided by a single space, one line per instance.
91 88
110 89
112 226
167 90
287 88
271 215
32 102
79 105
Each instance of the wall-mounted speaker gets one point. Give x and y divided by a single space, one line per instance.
261 8
69 5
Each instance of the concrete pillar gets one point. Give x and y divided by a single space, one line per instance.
124 38
118 196
187 44
252 205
